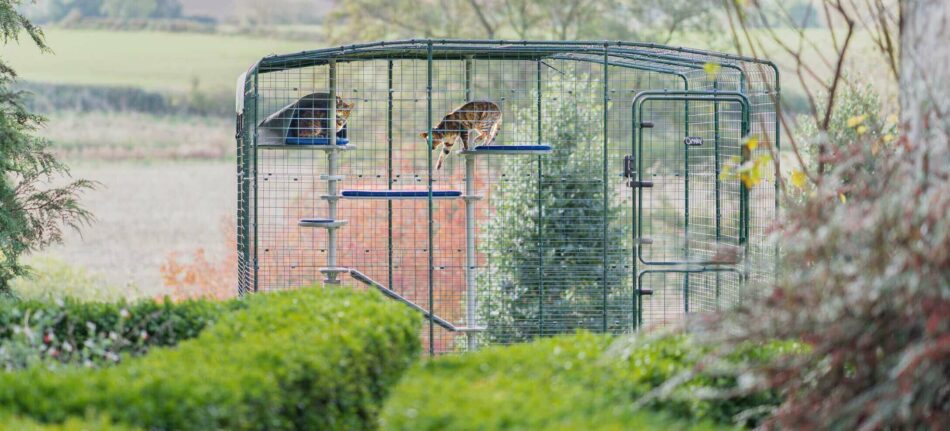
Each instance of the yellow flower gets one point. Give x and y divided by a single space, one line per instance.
856 120
842 198
752 143
712 70
862 129
888 138
799 178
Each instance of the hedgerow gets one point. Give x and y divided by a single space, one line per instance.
96 333
10 422
306 359
573 382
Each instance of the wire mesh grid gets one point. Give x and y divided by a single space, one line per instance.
535 233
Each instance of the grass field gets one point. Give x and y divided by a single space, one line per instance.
137 136
151 60
146 210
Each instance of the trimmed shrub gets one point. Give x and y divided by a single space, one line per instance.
9 422
571 382
305 359
93 333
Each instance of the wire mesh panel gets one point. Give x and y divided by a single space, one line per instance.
689 213
486 184
676 293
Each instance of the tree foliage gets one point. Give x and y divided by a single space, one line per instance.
648 20
520 300
140 8
33 212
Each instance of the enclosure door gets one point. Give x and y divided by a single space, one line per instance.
687 211
689 217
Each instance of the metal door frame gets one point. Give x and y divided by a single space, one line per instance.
634 172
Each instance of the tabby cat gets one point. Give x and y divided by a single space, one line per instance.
313 112
481 116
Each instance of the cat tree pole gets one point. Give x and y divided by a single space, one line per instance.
470 256
333 156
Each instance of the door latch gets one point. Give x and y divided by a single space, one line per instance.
628 166
629 170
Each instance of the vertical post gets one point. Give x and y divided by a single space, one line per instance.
332 162
686 198
431 231
604 179
470 256
253 174
778 162
638 213
540 214
389 172
718 170
633 223
744 193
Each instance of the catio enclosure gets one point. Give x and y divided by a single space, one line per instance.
618 193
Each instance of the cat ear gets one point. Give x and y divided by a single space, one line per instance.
424 135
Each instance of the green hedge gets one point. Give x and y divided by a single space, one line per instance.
9 422
306 359
572 382
71 331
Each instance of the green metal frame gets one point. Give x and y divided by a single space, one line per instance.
686 64
640 291
637 148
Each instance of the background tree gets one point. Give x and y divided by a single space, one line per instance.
129 8
520 301
33 212
648 20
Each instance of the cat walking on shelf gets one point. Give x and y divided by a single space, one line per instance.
481 116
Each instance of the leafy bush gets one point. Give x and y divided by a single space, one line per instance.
306 359
570 382
857 115
868 290
92 333
9 422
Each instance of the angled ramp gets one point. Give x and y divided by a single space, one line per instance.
363 278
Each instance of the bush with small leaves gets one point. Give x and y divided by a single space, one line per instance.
584 381
305 359
69 331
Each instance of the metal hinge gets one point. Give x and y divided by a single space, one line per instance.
240 126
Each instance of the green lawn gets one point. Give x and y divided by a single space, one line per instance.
151 60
